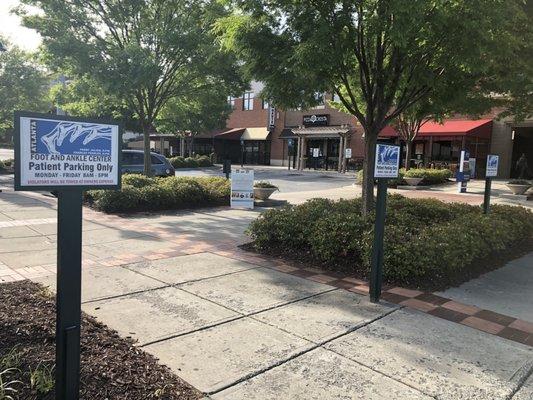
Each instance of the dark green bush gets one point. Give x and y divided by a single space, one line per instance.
204 161
140 193
191 162
177 162
427 242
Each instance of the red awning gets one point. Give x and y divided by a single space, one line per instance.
479 128
232 134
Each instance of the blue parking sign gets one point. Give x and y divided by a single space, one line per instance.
387 161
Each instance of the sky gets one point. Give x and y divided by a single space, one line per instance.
11 28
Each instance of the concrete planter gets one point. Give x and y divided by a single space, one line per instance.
518 189
413 181
263 193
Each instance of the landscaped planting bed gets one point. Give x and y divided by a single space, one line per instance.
430 176
140 193
112 368
428 244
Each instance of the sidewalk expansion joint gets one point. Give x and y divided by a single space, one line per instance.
238 317
306 350
125 294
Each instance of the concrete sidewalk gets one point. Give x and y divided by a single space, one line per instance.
238 326
236 330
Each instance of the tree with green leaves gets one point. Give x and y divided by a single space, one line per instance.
380 57
23 85
141 52
206 111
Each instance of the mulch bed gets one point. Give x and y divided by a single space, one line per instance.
111 367
302 259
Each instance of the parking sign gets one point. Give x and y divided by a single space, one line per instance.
387 161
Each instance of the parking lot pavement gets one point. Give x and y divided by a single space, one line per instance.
6 154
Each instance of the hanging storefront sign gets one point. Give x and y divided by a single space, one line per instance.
242 188
492 165
316 120
316 152
54 152
387 161
348 153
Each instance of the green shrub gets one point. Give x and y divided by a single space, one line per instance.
427 242
177 162
264 185
140 193
204 161
430 176
191 162
138 180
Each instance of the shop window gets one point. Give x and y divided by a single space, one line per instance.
248 101
231 102
321 100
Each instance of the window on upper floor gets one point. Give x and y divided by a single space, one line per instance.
321 100
265 104
336 98
231 102
248 101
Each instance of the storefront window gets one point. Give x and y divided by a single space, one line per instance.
248 101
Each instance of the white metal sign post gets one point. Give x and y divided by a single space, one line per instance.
242 188
463 175
67 155
386 166
491 172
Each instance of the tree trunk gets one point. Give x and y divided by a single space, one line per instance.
368 172
147 158
408 150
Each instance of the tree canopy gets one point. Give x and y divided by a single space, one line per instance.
23 85
380 56
141 52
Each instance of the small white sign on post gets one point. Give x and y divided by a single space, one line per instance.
242 188
348 152
316 152
492 165
387 161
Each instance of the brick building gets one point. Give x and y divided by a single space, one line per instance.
259 134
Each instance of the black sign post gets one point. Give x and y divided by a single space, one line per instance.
67 155
386 166
486 196
69 228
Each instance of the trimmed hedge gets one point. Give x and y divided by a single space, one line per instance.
428 243
431 176
141 193
191 162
